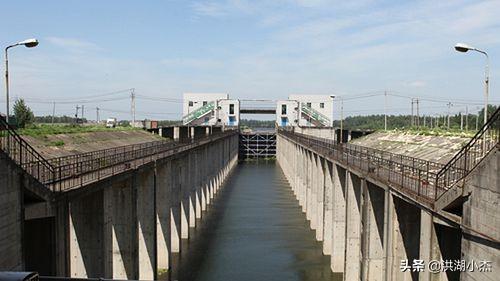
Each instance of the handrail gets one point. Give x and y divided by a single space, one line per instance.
198 112
413 175
56 161
316 114
24 155
61 173
470 155
80 169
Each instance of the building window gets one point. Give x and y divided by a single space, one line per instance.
321 105
308 104
204 102
283 109
190 103
231 109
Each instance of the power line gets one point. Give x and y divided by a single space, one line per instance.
132 106
172 100
74 101
140 112
57 99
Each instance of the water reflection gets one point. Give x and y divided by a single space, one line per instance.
255 230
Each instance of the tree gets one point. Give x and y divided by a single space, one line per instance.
24 115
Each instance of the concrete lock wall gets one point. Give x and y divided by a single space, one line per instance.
11 216
16 188
127 226
482 214
369 229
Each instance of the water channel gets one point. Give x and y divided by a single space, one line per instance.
255 230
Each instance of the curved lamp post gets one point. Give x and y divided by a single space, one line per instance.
29 43
462 47
332 97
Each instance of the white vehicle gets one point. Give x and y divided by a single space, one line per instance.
111 123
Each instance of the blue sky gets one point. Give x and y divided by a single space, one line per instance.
251 50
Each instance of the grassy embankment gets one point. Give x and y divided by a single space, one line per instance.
440 132
41 131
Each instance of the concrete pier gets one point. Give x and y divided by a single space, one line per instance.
373 226
352 263
127 226
131 224
339 217
371 230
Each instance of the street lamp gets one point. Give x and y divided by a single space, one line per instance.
29 43
333 99
341 115
462 47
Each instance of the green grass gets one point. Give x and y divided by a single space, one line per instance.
162 274
44 129
56 143
440 132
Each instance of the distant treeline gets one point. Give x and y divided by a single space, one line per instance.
376 122
372 122
57 119
257 123
164 123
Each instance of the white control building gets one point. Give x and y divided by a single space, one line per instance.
210 109
305 111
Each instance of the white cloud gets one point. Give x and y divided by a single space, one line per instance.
196 63
293 46
73 44
417 84
211 9
312 3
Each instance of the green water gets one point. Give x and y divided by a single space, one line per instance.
255 230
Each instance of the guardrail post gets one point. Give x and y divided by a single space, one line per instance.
419 183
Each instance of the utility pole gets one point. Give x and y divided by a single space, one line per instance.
411 119
431 122
385 110
53 112
461 121
132 105
418 114
449 106
424 120
341 118
83 106
97 113
466 118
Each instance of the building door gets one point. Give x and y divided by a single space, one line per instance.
284 121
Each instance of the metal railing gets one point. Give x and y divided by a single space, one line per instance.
78 169
81 169
57 278
24 155
67 172
196 114
413 176
316 115
470 155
